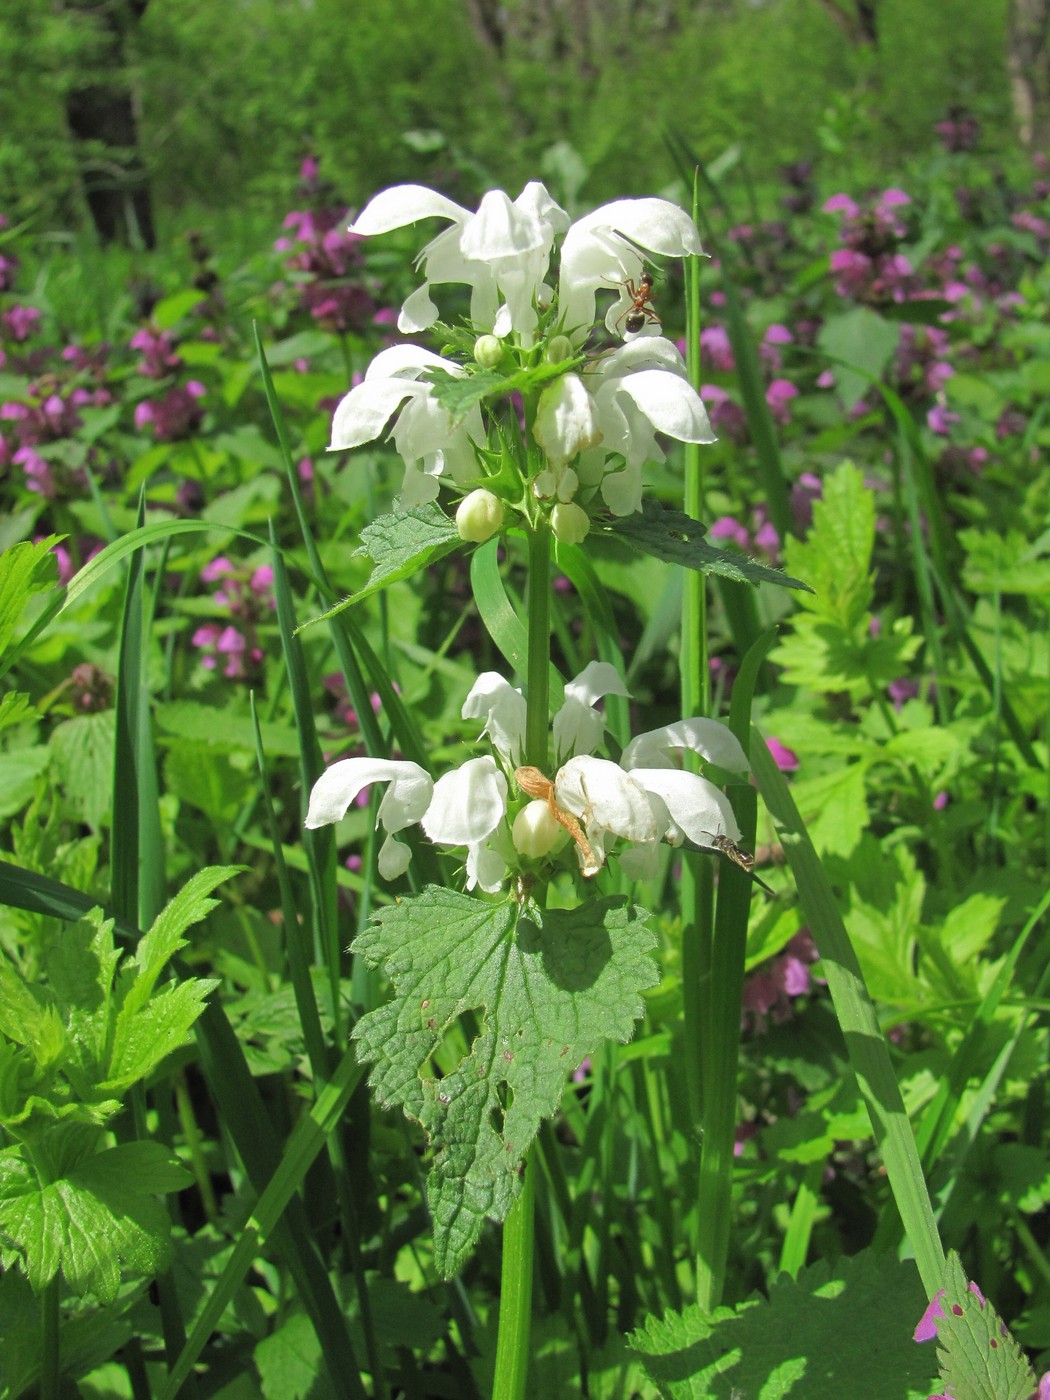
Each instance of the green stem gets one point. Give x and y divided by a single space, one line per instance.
537 720
515 1309
50 1363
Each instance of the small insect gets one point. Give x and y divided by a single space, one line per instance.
732 851
535 784
641 311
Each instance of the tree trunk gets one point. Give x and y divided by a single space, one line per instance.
1028 63
101 116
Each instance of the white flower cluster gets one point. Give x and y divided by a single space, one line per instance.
604 419
642 800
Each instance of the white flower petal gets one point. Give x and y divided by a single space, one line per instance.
698 809
577 725
404 802
503 709
485 867
566 420
408 361
404 204
394 858
418 312
468 804
707 737
671 404
605 798
365 411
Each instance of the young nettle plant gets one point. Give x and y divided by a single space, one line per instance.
541 423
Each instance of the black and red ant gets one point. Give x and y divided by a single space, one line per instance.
641 311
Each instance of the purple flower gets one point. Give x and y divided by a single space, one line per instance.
715 350
726 528
778 397
158 352
785 759
21 321
176 415
941 419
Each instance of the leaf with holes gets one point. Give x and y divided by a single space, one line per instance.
519 996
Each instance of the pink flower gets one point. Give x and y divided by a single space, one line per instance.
715 350
785 759
778 397
726 528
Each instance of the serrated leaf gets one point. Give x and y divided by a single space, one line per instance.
979 1359
16 708
83 753
99 1217
399 545
25 569
836 553
189 906
820 1337
678 539
545 987
144 1037
457 394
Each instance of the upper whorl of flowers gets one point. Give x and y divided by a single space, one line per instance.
595 416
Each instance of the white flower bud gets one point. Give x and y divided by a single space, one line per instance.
570 523
566 420
559 348
535 831
479 517
488 351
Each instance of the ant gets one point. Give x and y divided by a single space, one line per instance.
641 311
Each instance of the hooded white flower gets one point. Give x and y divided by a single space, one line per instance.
641 389
566 421
601 250
644 805
502 252
578 726
463 808
404 802
466 810
423 433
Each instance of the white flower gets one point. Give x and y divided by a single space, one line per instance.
423 433
641 389
578 726
644 805
466 810
463 808
566 420
502 251
601 250
404 802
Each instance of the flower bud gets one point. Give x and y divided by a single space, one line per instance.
566 420
488 351
535 831
559 348
570 523
480 516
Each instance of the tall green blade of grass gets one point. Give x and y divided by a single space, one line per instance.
697 880
320 844
724 1002
296 951
865 1045
136 846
